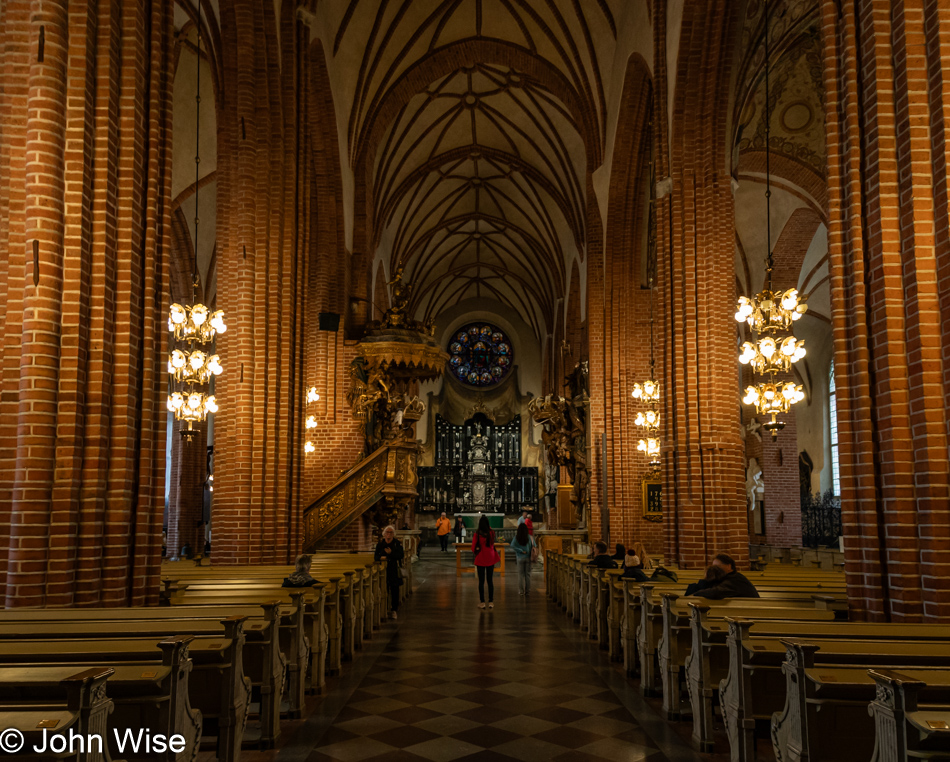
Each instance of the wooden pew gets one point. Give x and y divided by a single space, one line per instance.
674 650
163 707
755 688
62 699
903 728
708 661
826 709
262 660
651 620
219 690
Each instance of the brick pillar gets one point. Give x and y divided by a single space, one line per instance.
889 252
39 359
81 414
703 460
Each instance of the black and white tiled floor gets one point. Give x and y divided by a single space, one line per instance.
454 682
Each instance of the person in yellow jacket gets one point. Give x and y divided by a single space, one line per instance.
442 528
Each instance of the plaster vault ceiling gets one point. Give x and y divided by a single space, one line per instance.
474 124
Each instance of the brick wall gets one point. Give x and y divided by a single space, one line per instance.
85 137
620 355
884 67
703 462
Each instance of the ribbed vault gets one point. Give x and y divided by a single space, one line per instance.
472 128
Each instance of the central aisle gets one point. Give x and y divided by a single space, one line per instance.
455 682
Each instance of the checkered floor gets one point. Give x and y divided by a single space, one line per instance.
456 682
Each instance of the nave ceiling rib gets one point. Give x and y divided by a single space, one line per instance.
472 128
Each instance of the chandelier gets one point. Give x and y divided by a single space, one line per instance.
311 422
193 327
771 315
649 390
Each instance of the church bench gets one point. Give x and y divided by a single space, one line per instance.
754 688
262 659
220 690
674 650
826 707
313 601
271 651
650 632
62 700
903 728
144 697
363 602
334 602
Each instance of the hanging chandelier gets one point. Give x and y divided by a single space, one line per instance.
193 327
771 315
649 390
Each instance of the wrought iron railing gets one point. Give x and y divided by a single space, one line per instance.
821 519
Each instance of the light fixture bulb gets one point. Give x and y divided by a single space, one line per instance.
217 322
308 447
767 347
214 365
178 359
312 395
175 401
311 422
640 420
211 405
199 314
176 314
197 360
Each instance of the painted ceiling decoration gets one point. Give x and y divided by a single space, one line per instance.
474 126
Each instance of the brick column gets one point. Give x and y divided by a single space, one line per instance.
885 69
703 461
81 414
39 358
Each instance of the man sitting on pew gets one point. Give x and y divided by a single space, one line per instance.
601 560
301 576
732 585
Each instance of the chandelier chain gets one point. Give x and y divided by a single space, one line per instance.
768 154
194 272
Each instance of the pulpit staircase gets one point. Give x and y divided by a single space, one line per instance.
388 473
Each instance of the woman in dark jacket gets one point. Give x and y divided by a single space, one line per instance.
391 549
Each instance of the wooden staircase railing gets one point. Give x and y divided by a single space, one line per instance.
389 472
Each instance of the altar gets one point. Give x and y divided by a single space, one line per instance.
477 469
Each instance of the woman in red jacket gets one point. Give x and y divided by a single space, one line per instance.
483 546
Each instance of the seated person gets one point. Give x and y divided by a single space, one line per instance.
601 560
301 576
620 553
732 585
632 568
714 575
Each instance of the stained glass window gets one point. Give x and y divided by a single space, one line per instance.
480 354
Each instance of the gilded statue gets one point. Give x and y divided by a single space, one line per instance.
564 435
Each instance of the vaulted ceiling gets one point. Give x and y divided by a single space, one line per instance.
471 127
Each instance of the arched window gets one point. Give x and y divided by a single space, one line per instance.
833 414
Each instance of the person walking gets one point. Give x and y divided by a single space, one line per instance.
486 556
459 528
442 529
391 549
524 546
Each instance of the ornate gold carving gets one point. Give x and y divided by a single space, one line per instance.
367 481
651 496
